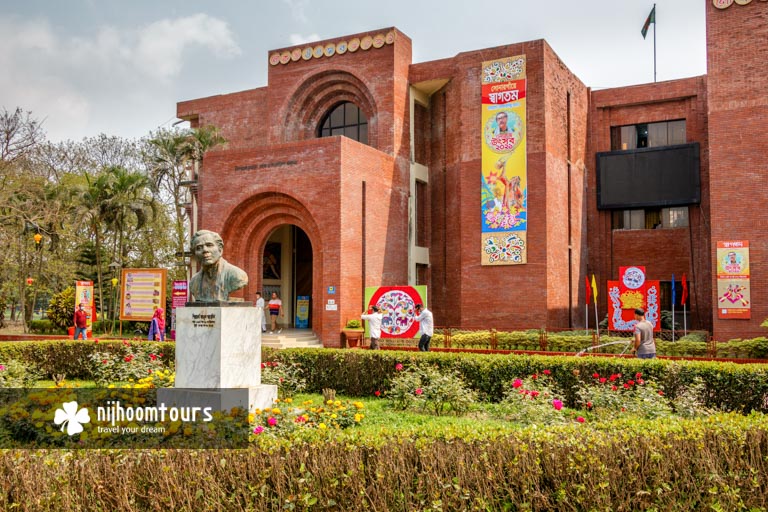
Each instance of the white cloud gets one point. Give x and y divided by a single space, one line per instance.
297 39
297 9
76 82
160 45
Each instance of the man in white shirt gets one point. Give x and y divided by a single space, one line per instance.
260 306
426 326
374 326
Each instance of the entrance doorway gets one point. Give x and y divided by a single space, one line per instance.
287 271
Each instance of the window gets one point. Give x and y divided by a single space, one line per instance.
347 120
422 238
648 135
650 218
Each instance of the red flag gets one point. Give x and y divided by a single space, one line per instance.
685 290
587 290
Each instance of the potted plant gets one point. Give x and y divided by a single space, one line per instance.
353 332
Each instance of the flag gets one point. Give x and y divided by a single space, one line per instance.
651 19
673 290
587 290
685 291
594 288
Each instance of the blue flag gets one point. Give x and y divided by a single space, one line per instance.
673 290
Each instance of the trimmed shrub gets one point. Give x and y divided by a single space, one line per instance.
61 309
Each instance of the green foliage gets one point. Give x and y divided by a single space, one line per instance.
354 324
288 377
72 358
430 389
728 386
15 374
61 309
44 327
125 363
285 419
534 400
608 396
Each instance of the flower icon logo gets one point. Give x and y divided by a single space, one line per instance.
71 418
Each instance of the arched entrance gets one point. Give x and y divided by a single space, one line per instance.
287 267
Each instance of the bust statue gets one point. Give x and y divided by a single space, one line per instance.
217 278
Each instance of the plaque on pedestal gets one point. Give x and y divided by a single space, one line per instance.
218 359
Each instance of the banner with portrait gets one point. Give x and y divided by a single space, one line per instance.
733 292
84 295
398 307
143 290
504 181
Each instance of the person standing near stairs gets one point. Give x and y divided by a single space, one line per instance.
260 305
275 309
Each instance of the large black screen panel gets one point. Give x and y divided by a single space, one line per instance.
667 176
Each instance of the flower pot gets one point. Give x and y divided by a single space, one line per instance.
353 337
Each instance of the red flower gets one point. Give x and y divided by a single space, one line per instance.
631 382
623 409
613 377
557 404
534 394
517 383
638 375
128 359
640 381
263 365
661 393
377 393
614 388
547 372
150 371
589 405
419 391
626 385
159 355
96 340
399 366
580 419
153 357
104 361
602 380
534 376
596 375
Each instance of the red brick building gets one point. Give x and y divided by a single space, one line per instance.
396 199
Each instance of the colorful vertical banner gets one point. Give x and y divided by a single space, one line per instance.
143 290
302 312
398 305
179 296
84 295
630 292
733 293
504 180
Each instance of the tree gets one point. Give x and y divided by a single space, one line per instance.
19 134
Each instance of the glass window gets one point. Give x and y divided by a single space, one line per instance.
648 135
345 119
675 217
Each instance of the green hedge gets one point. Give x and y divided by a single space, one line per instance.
68 357
717 463
692 345
729 386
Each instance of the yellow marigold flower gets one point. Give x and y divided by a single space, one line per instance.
257 412
250 418
322 426
289 400
275 411
329 402
333 416
358 417
337 403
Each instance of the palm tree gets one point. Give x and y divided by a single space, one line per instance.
114 201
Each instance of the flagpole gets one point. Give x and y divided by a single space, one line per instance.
673 318
685 323
586 318
597 324
654 48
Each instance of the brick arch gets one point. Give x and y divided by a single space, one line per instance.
317 95
250 224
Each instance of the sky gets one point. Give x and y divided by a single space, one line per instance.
86 67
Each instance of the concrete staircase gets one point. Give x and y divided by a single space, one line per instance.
291 338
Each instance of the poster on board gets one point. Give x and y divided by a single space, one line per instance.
398 305
142 290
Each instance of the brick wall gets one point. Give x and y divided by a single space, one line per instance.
738 109
662 251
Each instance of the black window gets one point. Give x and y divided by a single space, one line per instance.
648 135
345 119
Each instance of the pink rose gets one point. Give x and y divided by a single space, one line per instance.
419 391
517 383
557 404
272 421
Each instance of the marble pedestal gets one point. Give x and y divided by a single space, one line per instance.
218 359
